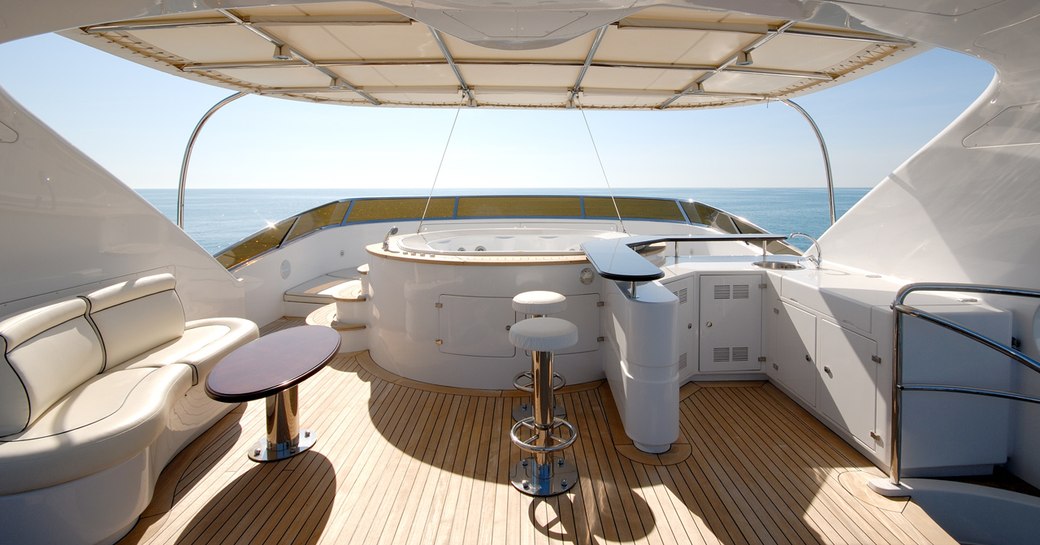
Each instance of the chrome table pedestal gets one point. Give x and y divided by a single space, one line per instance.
284 436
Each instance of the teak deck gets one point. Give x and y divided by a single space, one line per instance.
408 463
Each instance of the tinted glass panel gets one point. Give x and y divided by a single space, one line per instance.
745 228
692 212
654 209
710 216
779 248
323 216
397 209
256 244
494 207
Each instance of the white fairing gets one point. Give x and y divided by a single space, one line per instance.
68 224
965 207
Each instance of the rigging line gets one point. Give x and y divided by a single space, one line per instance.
436 176
602 169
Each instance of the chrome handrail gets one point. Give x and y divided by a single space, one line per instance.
901 309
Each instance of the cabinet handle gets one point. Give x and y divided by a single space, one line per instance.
808 357
707 324
828 371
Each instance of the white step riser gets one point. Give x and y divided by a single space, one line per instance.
349 312
354 340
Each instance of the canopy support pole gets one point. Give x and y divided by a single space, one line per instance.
823 149
187 153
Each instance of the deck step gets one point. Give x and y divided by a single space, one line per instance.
350 292
322 289
351 307
353 335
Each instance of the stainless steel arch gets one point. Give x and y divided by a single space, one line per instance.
823 148
187 153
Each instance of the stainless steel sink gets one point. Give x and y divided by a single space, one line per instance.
777 265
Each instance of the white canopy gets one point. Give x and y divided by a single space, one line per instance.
366 54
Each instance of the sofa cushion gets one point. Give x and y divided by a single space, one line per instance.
135 316
94 400
47 353
203 344
100 425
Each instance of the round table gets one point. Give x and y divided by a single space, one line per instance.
271 367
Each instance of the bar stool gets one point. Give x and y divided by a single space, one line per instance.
542 473
537 304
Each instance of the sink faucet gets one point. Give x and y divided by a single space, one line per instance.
386 239
819 251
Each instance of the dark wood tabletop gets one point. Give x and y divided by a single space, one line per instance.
272 363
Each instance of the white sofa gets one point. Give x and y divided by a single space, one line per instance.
97 394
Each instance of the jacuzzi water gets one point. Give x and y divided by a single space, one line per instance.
510 241
978 515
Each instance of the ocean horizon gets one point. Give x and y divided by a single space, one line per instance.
217 218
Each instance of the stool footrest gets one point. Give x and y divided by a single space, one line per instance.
525 381
558 443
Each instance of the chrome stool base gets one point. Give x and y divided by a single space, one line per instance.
525 382
525 410
554 478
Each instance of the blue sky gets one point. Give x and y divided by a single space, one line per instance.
135 122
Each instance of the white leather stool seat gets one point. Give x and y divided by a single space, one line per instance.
539 302
543 334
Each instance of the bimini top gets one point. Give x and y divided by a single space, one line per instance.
367 54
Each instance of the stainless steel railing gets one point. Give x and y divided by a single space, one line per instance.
902 309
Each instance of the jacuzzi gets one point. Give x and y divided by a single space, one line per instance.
441 301
501 241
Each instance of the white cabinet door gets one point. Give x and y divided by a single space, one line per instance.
792 350
730 323
463 323
847 394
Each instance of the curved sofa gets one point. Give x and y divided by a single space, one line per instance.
97 394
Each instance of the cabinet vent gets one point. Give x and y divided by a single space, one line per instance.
727 354
682 359
741 291
681 294
722 291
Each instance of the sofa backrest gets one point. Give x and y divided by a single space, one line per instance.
136 315
47 353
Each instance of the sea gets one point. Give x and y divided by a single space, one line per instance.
218 218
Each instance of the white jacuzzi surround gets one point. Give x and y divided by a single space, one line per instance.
447 322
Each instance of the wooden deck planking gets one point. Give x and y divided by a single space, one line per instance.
397 462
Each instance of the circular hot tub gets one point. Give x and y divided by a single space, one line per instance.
442 302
